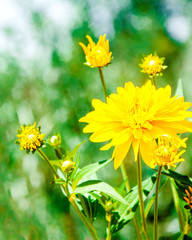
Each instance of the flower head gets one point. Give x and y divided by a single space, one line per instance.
165 151
136 115
152 65
188 199
97 55
30 138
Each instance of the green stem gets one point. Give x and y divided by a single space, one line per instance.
109 229
84 206
154 81
176 202
42 154
72 201
155 234
153 198
125 176
103 82
83 219
135 221
140 192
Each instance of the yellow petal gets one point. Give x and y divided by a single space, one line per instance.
84 48
146 150
120 153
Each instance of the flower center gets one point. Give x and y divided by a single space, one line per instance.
152 62
31 136
137 118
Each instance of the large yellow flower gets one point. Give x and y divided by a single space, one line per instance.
97 55
164 151
136 115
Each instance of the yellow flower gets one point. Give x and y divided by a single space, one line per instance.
97 55
136 115
188 199
152 65
164 151
30 138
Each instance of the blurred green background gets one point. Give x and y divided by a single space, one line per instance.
43 79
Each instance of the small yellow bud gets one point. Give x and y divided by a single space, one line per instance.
67 166
108 206
55 140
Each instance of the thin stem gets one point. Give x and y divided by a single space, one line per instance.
154 81
135 221
42 154
125 176
84 220
109 227
176 202
140 192
84 206
153 198
71 199
103 82
156 204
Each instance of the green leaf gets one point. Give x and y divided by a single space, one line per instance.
96 185
179 90
126 212
59 181
179 177
88 170
73 153
77 162
56 163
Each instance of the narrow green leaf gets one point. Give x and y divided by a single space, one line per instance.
96 185
88 170
179 90
179 177
59 181
74 151
77 162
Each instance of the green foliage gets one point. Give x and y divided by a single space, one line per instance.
88 171
126 212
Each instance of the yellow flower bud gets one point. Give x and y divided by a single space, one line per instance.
67 166
55 140
108 206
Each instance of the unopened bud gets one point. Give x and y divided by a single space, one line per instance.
55 140
109 206
67 166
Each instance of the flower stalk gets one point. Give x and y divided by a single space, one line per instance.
123 170
71 199
125 177
103 82
109 226
155 233
140 192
